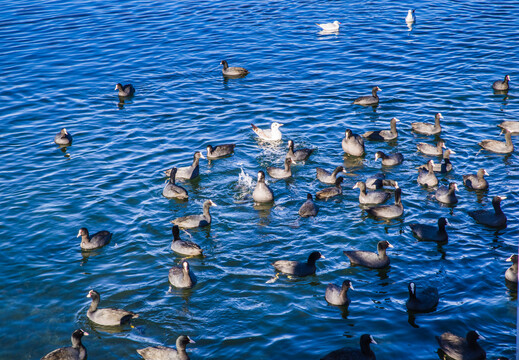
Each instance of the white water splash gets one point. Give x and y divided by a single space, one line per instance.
244 186
245 180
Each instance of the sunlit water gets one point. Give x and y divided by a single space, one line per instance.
60 62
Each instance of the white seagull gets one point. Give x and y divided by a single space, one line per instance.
334 26
410 18
272 134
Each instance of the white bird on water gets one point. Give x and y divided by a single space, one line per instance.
410 18
334 26
272 134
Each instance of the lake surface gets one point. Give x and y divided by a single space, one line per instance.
60 62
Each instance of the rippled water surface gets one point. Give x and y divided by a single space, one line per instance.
60 62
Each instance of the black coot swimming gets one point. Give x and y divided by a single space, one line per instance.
298 268
166 353
75 352
495 218
370 259
309 208
422 301
63 138
460 348
430 232
107 316
338 295
347 353
232 71
368 100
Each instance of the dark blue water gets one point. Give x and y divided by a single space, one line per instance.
60 62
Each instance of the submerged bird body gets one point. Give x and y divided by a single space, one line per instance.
447 195
427 178
75 352
431 150
184 247
166 353
428 129
219 151
298 155
353 144
95 241
376 197
368 100
347 353
430 232
384 135
331 191
272 134
189 172
281 173
328 178
232 71
172 190
511 272
500 147
333 26
336 295
459 348
422 301
126 90
476 182
391 159
495 219
501 85
181 276
262 192
107 316
63 138
309 208
370 259
193 221
298 268
389 211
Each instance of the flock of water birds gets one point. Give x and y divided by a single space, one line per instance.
420 300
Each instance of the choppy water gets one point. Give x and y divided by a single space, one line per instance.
60 62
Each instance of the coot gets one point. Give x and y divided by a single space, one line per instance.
298 268
370 259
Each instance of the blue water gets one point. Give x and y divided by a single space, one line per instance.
60 62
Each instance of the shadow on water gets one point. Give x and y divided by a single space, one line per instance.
344 311
100 329
412 315
439 247
480 194
499 93
63 149
506 160
383 274
86 254
264 210
353 163
411 319
122 101
512 290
